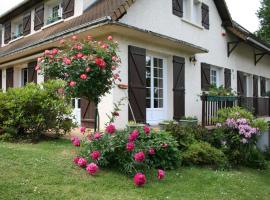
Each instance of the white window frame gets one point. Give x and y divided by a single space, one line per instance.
217 70
189 12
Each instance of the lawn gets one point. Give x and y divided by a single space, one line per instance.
45 171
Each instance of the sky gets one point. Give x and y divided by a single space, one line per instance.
242 11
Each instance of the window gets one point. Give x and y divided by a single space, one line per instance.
17 30
154 82
192 11
213 77
55 12
24 77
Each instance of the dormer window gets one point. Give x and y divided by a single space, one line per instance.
17 28
53 11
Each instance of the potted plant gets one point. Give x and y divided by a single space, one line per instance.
188 121
134 125
165 123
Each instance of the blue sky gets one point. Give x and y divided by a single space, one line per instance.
244 15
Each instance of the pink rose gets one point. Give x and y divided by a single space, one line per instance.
79 47
72 84
87 69
161 174
47 52
114 58
139 157
82 129
83 76
130 146
74 37
110 37
66 74
67 61
79 55
146 129
104 46
151 151
92 168
110 129
101 63
133 135
75 160
37 67
39 59
139 179
76 141
97 135
95 155
113 67
82 162
54 51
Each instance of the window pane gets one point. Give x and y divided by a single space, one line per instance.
160 93
148 92
160 103
79 103
148 103
160 83
148 61
155 93
155 103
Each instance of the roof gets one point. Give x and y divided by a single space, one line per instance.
103 10
112 9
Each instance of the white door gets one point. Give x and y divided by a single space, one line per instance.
76 105
156 88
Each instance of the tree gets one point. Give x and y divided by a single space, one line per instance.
264 17
88 67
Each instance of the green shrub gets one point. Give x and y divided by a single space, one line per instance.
114 152
33 110
203 154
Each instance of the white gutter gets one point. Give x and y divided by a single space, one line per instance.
258 43
13 8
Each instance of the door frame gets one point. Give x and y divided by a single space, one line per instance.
165 84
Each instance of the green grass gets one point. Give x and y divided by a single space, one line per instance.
45 171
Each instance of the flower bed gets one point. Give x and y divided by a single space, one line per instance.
134 153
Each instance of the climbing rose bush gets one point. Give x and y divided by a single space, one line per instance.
89 67
136 153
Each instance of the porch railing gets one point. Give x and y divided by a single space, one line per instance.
259 106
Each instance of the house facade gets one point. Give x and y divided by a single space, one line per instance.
171 52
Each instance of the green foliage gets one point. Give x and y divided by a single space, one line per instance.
34 109
264 17
220 91
189 118
114 153
233 112
203 154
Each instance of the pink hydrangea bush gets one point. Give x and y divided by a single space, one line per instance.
133 152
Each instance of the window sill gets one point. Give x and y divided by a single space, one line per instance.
52 24
14 40
192 23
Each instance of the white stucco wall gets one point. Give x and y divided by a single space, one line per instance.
157 16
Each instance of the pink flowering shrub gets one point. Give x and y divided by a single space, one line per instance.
88 67
238 131
134 151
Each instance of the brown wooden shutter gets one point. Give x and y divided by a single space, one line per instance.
255 86
178 7
7 34
32 73
263 87
178 87
205 76
87 113
27 23
227 78
241 84
39 17
137 83
205 16
1 87
68 8
9 77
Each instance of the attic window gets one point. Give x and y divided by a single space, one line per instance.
54 12
16 29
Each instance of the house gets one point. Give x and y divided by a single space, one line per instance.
171 51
